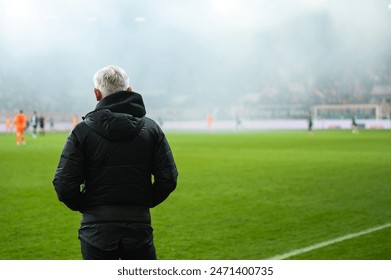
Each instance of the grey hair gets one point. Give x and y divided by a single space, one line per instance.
111 79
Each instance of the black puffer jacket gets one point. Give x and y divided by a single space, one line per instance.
107 163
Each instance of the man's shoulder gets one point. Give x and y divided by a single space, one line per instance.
152 124
149 120
81 129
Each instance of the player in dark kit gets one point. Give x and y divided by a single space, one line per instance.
354 125
34 123
310 123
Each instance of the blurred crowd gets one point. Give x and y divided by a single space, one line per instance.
276 97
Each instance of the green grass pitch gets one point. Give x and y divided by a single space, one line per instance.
240 196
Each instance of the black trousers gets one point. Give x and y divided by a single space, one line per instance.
124 251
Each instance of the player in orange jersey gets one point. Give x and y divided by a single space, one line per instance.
209 119
7 125
20 125
75 120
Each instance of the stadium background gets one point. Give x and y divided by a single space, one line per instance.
253 59
241 195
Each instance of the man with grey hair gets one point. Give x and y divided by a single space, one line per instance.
115 165
111 79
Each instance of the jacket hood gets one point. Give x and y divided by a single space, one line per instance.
118 116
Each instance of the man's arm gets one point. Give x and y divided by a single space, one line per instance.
164 171
70 174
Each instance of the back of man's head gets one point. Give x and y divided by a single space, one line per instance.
111 79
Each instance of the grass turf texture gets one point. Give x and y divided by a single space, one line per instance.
239 196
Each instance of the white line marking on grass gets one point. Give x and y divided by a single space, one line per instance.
329 242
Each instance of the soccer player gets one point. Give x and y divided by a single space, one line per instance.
7 125
209 120
354 125
310 123
34 123
75 120
238 122
20 125
41 121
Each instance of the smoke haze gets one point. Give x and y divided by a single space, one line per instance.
194 56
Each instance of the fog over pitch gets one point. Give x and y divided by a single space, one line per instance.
186 54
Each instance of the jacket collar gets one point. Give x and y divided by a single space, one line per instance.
123 102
